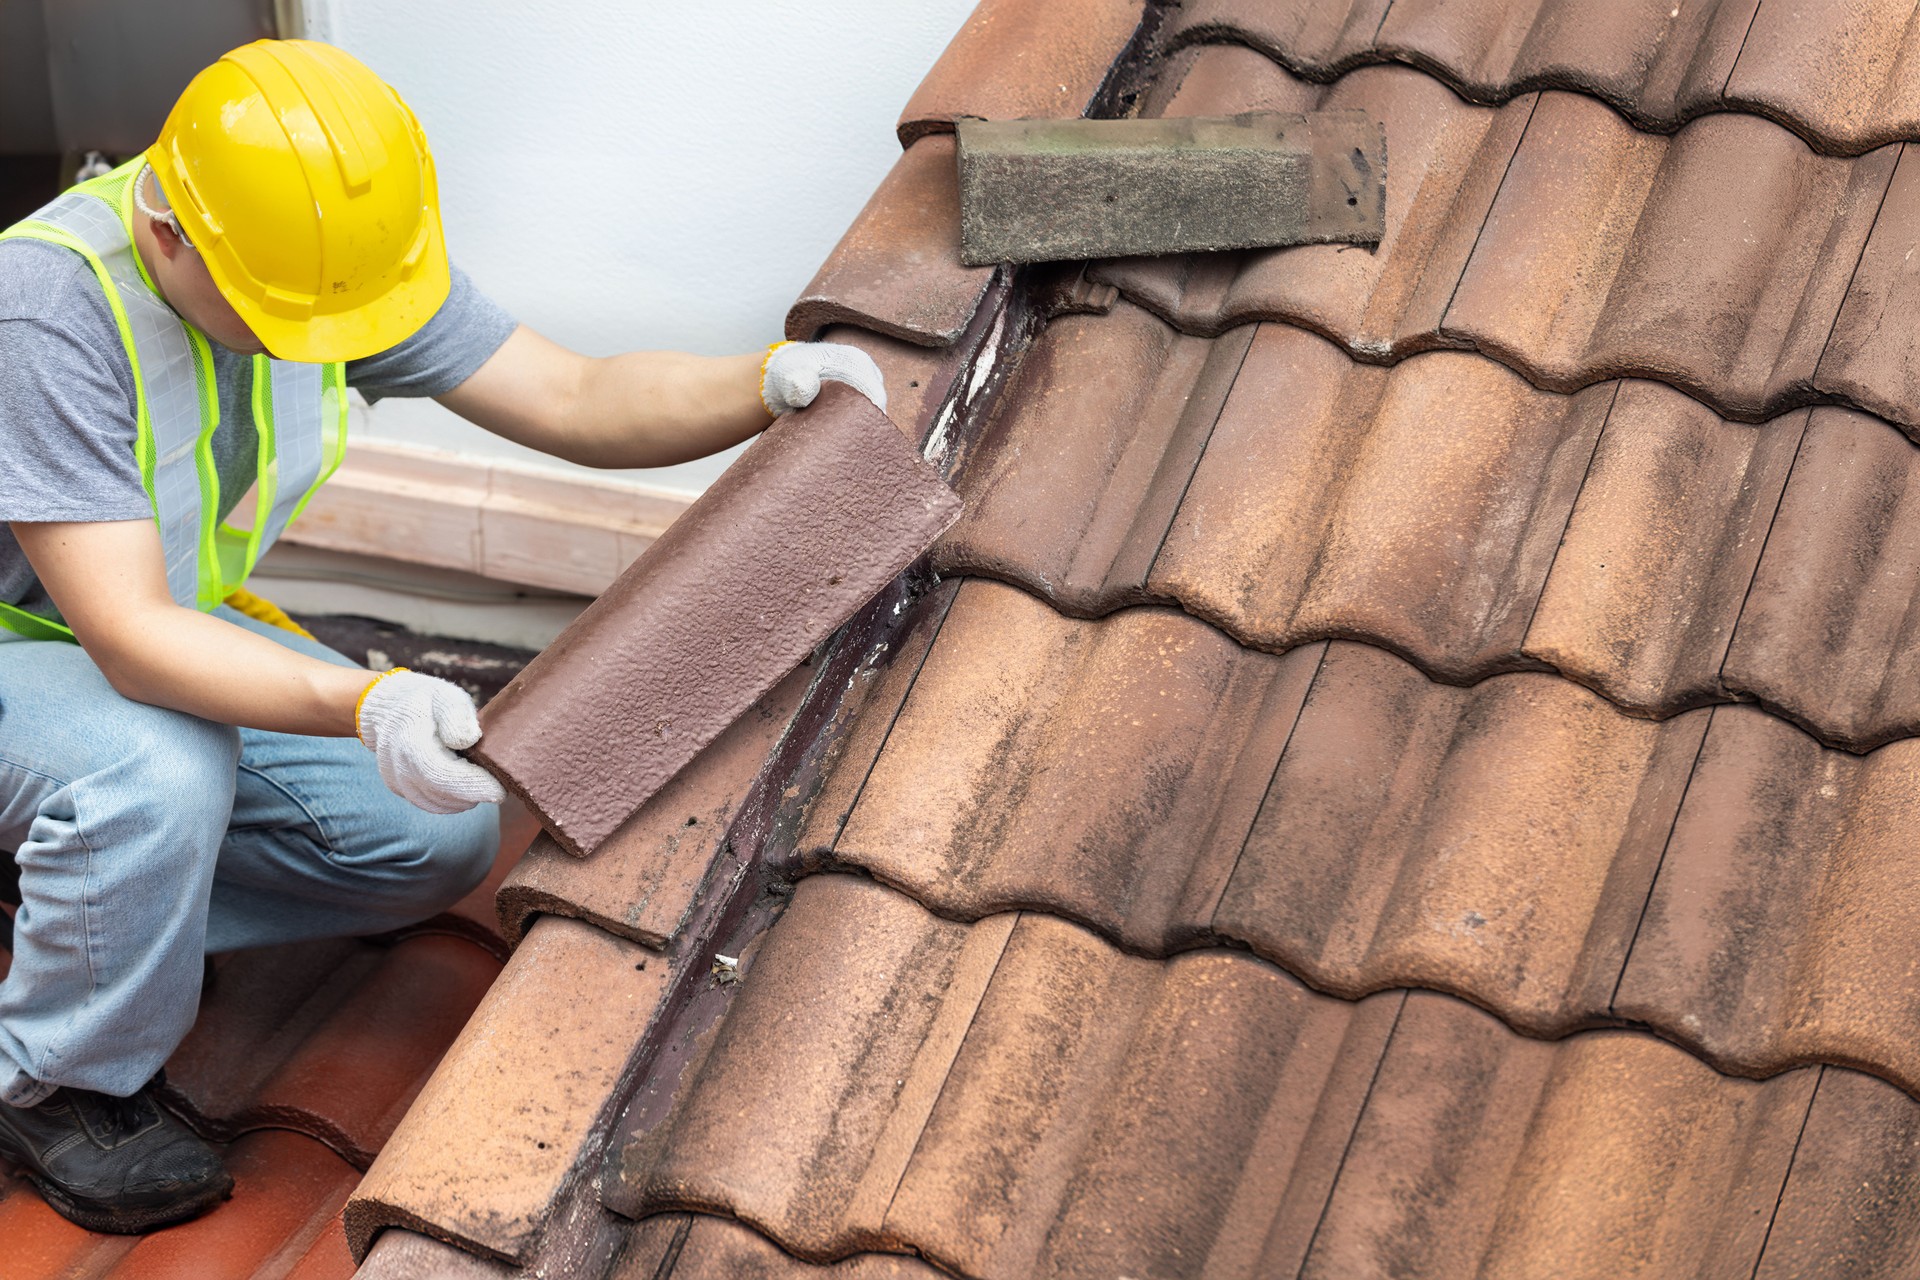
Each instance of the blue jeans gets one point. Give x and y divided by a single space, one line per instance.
147 838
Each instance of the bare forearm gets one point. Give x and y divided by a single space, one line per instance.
642 409
192 662
656 408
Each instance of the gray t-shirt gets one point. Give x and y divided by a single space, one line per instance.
67 415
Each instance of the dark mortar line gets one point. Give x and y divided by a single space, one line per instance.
1787 1177
1878 210
1741 52
796 857
1200 456
1466 263
1653 882
1353 1134
1720 672
1586 475
1240 855
1374 40
671 1258
973 1020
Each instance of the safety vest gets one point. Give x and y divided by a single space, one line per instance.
299 410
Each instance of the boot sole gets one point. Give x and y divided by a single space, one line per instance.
127 1221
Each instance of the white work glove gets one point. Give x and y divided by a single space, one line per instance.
793 371
414 724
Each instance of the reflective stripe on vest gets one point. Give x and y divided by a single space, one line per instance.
299 411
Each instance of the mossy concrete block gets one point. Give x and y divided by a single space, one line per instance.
1045 190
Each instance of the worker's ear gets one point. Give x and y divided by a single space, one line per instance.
166 238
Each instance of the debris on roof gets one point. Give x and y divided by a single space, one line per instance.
1044 190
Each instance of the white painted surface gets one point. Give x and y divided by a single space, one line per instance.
634 176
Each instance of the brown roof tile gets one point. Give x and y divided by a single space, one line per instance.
1445 163
1014 58
484 1151
1828 634
1078 1112
858 1008
1433 540
1838 74
1497 842
1484 1154
1612 535
1717 260
1657 559
1868 360
860 1001
1108 772
1554 236
897 270
641 882
1779 930
1847 1209
713 615
1107 418
330 1039
402 1255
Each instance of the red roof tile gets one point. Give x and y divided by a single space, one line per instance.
331 1039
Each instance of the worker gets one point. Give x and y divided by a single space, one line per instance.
181 773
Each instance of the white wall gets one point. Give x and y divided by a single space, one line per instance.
643 175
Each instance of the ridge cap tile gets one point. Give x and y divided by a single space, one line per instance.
824 509
1014 58
481 1156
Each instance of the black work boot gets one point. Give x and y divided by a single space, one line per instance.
113 1164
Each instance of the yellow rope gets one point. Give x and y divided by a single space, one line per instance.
252 606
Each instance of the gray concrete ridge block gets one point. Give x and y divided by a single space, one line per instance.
1045 190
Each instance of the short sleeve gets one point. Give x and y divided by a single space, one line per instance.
463 334
66 430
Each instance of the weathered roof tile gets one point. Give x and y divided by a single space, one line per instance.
483 1153
898 270
1445 165
1484 1153
1777 932
1015 59
1828 635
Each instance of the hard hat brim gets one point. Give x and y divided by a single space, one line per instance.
367 330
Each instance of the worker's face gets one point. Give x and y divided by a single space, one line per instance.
189 289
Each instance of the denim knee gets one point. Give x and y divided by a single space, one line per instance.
148 770
454 852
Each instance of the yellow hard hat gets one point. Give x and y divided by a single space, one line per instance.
306 184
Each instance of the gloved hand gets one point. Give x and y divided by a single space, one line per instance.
793 371
413 724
